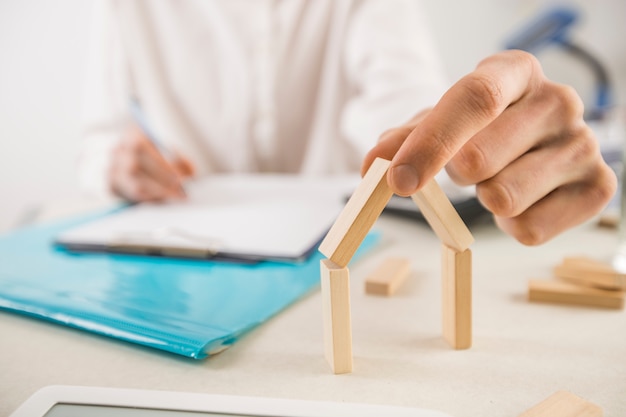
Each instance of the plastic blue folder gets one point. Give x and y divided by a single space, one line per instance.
188 307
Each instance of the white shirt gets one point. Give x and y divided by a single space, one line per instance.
257 85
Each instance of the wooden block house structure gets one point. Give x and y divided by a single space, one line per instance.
343 239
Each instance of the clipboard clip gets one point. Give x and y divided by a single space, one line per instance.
167 239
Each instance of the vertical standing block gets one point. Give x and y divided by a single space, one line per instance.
335 282
456 300
387 278
564 404
359 215
442 216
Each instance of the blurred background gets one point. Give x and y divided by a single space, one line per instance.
43 47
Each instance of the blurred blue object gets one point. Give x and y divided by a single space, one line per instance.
553 27
550 27
188 307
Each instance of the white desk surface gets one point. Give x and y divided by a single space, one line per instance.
522 352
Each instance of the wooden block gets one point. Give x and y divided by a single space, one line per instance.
456 291
590 272
387 278
610 220
568 293
442 216
335 282
359 215
564 404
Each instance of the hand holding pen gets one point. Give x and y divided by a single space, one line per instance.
142 169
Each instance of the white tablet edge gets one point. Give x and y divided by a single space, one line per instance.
43 400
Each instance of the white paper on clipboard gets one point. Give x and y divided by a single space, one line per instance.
252 217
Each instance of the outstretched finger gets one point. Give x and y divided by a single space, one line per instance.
391 140
465 109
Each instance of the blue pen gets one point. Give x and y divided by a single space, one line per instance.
140 119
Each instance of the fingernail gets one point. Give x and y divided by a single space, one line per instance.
404 179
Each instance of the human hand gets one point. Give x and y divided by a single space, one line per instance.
518 136
139 172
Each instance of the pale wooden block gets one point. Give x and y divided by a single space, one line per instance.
335 283
359 215
456 277
590 272
388 276
564 404
567 293
442 216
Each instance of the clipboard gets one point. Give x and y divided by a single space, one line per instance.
244 218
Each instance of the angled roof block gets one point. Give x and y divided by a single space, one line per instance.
442 217
359 215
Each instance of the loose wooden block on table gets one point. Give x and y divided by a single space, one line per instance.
567 293
590 272
442 216
359 215
387 278
456 289
564 404
335 283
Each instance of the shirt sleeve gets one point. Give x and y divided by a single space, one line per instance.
105 102
392 68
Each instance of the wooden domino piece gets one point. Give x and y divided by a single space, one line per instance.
561 292
359 215
564 404
388 276
442 216
590 272
335 283
456 291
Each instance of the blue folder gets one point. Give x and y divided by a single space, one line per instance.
188 307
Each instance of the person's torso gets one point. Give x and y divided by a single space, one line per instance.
240 79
